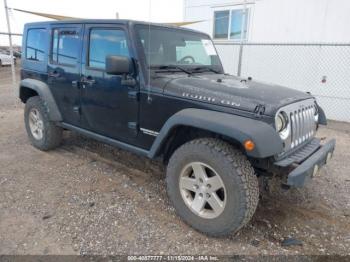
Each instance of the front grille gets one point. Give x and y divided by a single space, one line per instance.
302 125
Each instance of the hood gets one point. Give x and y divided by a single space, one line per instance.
230 91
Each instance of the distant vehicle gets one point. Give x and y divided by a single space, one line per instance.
6 59
16 53
161 92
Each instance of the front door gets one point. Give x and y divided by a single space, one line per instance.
109 107
64 70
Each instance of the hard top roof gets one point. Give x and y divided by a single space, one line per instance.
107 21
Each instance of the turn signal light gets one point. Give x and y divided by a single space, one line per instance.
249 145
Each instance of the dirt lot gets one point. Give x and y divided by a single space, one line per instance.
90 198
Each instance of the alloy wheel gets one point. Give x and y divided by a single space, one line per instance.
203 190
36 124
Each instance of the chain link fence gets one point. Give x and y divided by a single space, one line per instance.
319 68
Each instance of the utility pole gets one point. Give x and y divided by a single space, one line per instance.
10 41
243 37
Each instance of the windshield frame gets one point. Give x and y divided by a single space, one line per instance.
142 54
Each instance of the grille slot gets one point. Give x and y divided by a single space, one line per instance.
302 125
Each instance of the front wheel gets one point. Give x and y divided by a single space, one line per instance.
43 133
212 186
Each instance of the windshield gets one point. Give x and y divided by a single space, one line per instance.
175 47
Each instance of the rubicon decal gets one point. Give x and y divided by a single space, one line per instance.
210 99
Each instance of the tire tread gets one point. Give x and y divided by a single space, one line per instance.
248 180
53 133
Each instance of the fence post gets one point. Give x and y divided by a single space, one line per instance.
239 67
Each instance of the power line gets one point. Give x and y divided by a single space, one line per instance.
6 33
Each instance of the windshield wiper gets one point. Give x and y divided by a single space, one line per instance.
169 67
205 68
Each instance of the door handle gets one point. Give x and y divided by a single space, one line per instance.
54 74
88 80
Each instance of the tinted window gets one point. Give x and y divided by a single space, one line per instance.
237 18
104 42
35 49
225 21
221 19
65 46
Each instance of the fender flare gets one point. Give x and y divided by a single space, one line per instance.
267 141
45 94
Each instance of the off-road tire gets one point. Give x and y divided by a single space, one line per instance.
237 175
52 134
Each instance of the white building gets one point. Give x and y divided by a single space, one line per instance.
323 70
274 20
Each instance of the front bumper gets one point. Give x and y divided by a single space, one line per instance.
310 166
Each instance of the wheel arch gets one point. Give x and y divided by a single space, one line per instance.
181 134
33 87
322 119
232 128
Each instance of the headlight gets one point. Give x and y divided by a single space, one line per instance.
282 125
281 121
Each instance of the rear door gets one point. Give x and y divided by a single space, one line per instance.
109 107
64 70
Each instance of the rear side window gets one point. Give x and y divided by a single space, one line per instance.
65 46
35 46
104 42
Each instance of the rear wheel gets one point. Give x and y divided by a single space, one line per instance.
212 186
43 133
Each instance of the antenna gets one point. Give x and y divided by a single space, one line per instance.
149 99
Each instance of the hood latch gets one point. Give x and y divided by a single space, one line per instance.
259 110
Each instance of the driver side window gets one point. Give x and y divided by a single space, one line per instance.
104 42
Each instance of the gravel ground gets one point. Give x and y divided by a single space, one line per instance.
89 198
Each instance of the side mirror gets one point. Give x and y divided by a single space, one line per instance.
118 65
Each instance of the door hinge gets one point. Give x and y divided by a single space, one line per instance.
133 95
76 109
133 126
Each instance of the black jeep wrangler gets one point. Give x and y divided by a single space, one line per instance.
161 92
